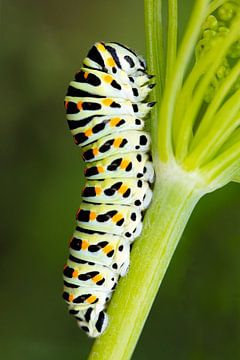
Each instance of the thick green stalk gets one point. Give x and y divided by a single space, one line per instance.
175 196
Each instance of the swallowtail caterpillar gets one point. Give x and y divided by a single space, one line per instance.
105 113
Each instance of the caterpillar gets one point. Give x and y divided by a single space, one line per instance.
105 112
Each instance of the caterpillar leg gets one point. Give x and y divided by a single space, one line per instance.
93 321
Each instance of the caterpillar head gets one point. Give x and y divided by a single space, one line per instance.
129 61
114 58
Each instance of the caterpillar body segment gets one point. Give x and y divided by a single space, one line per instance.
114 58
126 141
96 127
108 250
110 218
128 165
125 191
109 85
87 107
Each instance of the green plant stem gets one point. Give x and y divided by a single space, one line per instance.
223 125
175 196
154 40
233 139
172 36
175 81
187 122
214 5
156 60
206 121
185 95
223 168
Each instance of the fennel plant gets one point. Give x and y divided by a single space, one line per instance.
195 130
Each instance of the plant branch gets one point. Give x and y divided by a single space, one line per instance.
224 123
206 121
172 36
222 169
175 81
186 94
187 122
155 56
214 5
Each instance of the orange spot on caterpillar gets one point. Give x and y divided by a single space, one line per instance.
64 267
114 121
66 105
96 278
75 274
88 132
117 217
101 47
98 190
111 62
107 249
108 78
85 75
107 102
124 164
79 105
84 245
91 299
117 142
122 189
92 215
100 169
95 151
70 298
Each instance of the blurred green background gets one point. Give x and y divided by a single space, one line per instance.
197 312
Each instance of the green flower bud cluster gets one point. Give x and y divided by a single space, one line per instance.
214 28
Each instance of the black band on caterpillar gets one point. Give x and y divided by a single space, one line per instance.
105 112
